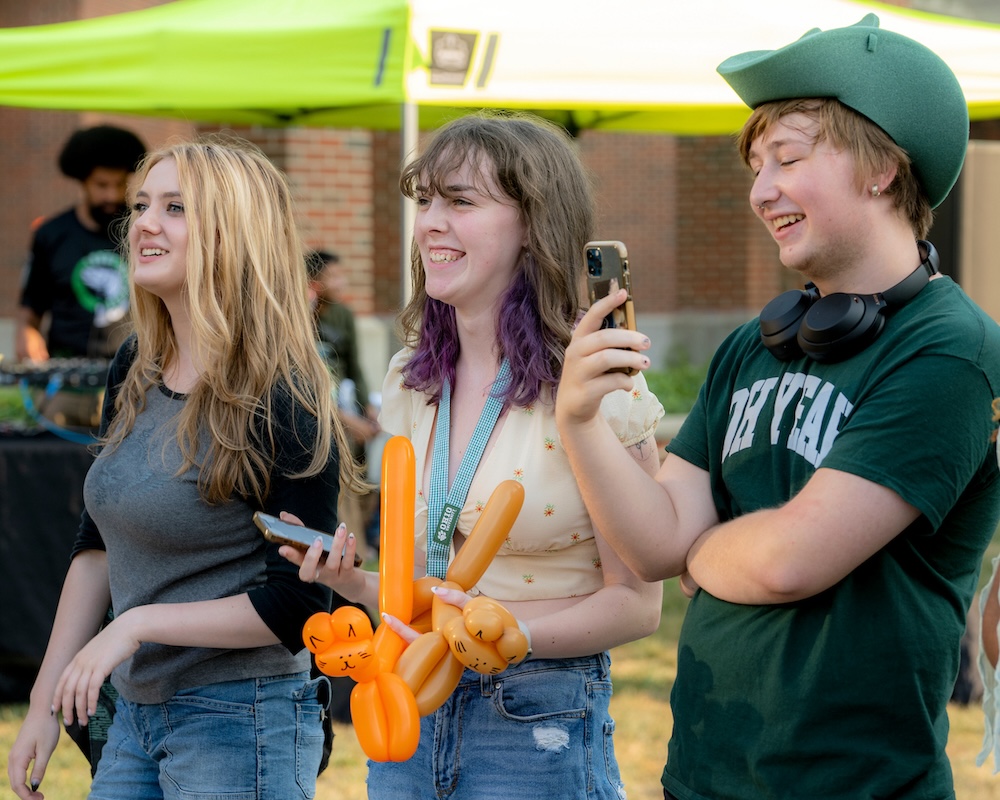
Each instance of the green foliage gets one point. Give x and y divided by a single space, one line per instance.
12 410
678 383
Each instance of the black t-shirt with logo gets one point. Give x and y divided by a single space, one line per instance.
78 276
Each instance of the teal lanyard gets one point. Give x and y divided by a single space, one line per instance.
443 506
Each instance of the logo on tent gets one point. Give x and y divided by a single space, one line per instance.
451 57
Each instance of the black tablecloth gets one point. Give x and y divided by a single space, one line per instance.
41 499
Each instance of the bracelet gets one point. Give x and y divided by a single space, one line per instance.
527 635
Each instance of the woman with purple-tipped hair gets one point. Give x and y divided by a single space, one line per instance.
503 214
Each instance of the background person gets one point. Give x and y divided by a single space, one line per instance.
827 502
75 281
338 342
503 212
218 406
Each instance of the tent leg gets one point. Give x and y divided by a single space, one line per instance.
409 139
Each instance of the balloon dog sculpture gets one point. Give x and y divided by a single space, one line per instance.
396 683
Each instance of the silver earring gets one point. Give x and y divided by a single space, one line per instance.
875 191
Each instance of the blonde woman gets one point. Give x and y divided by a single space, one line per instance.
219 405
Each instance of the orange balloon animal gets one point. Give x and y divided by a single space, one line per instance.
454 638
396 683
383 708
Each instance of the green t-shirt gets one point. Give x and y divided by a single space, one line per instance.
842 695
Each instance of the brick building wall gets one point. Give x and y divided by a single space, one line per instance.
387 222
635 180
331 178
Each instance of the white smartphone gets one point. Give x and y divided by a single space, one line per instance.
281 532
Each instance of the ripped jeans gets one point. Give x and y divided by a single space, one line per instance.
539 729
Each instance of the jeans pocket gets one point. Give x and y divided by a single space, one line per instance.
310 715
611 776
228 729
546 694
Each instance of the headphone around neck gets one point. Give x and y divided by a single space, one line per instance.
839 325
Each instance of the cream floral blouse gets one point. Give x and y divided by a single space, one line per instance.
550 552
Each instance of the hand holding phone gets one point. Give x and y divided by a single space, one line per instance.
607 272
280 532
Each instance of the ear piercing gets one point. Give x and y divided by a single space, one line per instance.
875 191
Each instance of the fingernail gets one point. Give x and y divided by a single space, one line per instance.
318 541
52 711
350 536
646 342
35 785
342 525
434 589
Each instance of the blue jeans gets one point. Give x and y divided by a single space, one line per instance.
540 729
253 739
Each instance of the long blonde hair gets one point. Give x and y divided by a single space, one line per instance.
251 327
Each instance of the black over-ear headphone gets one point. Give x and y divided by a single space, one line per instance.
839 325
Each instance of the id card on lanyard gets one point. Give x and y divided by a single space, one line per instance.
444 506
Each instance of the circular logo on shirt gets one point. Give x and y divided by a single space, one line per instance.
100 283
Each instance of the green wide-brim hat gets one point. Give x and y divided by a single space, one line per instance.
899 84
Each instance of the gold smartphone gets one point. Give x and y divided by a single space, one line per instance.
607 272
280 532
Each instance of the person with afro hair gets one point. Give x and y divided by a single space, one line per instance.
75 287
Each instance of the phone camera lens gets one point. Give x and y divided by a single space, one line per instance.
594 262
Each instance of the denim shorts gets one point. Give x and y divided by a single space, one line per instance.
539 729
253 739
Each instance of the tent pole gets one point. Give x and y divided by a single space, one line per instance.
408 141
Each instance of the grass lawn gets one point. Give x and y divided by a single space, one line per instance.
643 674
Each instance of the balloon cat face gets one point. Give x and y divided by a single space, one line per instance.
343 643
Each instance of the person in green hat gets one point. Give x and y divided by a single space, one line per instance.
828 500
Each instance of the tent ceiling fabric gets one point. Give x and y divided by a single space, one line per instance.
643 66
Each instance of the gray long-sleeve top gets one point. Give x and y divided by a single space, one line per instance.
166 545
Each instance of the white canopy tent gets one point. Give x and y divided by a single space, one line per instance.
642 65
